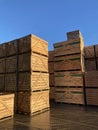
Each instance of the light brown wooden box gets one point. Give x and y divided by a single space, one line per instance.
72 46
33 43
33 81
50 56
51 80
74 34
10 82
11 48
91 79
32 103
51 67
71 62
90 64
1 82
89 52
52 92
69 95
92 96
11 64
96 48
2 50
6 106
2 65
33 62
70 78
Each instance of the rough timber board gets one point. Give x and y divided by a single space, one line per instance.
1 82
2 65
69 95
33 61
92 96
52 92
6 105
71 62
91 79
30 103
34 43
51 80
10 82
50 55
96 48
33 81
11 64
72 46
51 67
89 52
11 48
70 78
90 65
2 50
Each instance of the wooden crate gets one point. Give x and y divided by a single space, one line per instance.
50 56
52 92
2 50
92 96
34 62
33 81
90 64
51 80
74 34
11 64
70 78
34 43
72 46
96 48
51 67
89 52
69 95
2 65
91 79
11 48
71 62
1 82
32 103
6 106
10 82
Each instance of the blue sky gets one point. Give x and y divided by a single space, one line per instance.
49 19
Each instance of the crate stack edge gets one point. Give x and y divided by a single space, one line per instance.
69 68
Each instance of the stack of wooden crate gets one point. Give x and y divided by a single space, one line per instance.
51 74
6 98
68 67
91 74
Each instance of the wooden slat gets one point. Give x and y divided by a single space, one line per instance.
70 78
1 82
89 52
51 80
50 55
52 92
71 62
6 105
51 67
96 48
91 79
2 50
2 65
69 95
90 65
72 46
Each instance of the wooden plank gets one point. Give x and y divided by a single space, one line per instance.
11 48
35 101
70 78
89 52
2 65
50 56
74 34
51 80
92 96
96 48
91 79
72 46
71 62
51 67
69 95
34 62
1 82
2 50
11 64
52 92
33 81
10 82
6 105
90 65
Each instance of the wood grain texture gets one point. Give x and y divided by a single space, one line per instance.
50 56
2 50
2 65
